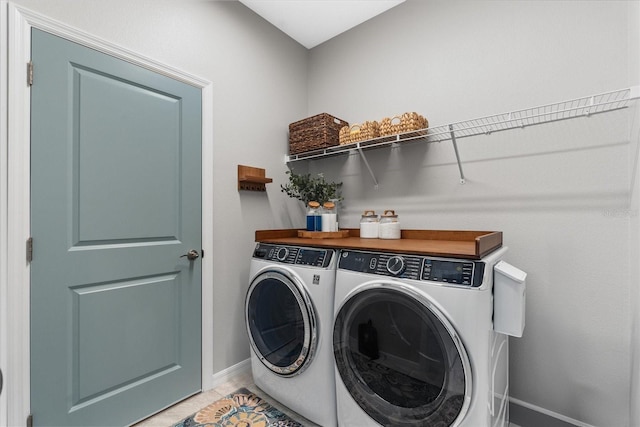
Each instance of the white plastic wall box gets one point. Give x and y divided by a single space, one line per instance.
509 288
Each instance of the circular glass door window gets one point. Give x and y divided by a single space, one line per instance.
281 323
400 358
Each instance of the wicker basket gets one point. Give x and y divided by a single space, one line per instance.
316 132
408 122
359 132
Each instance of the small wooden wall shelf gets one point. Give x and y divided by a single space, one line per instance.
252 179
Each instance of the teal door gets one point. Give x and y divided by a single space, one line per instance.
115 202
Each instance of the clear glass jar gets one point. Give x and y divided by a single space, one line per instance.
314 217
389 227
369 225
336 202
329 217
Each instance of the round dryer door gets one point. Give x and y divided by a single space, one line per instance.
400 358
281 322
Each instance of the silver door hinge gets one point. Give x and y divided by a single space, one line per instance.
30 421
30 249
30 73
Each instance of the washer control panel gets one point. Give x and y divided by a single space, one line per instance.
466 273
293 255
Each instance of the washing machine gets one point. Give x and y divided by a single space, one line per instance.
414 343
289 318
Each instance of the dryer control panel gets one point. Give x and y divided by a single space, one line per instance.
293 255
466 273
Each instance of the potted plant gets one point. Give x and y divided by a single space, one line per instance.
311 188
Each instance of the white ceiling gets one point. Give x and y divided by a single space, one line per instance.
311 22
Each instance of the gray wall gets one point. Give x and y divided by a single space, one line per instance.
259 86
560 192
634 235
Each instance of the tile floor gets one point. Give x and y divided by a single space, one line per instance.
180 411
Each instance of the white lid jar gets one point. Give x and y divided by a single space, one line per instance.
369 225
389 227
329 217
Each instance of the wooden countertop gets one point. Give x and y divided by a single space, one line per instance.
445 243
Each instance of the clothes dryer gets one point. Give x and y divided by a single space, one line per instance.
289 317
414 343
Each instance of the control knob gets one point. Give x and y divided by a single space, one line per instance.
396 265
282 254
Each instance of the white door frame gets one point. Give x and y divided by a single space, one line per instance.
15 52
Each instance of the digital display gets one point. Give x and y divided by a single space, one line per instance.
445 271
448 271
307 257
360 261
356 261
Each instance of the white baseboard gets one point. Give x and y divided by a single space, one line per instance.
226 374
545 412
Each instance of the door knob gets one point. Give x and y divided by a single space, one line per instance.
191 255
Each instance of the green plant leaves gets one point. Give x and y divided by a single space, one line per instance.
311 188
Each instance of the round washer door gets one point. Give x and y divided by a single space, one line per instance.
281 322
400 358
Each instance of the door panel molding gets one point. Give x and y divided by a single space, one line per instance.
145 362
15 194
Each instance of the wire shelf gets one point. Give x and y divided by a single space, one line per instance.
580 107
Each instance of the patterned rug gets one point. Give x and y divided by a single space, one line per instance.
242 408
